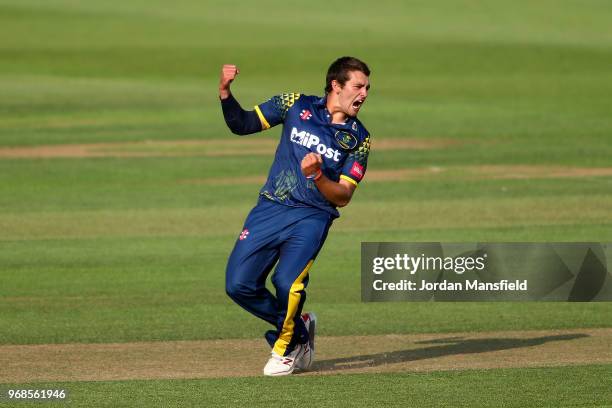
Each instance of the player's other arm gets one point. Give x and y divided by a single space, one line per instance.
338 193
238 120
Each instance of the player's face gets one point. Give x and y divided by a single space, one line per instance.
354 93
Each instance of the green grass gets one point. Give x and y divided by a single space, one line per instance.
481 69
122 249
172 288
577 386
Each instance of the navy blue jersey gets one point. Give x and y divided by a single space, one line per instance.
307 128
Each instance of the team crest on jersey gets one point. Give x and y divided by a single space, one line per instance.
244 234
346 140
354 127
305 114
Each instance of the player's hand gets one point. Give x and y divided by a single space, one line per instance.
311 164
228 74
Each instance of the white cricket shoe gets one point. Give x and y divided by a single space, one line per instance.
284 365
304 363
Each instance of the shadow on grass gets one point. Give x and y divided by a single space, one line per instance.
441 348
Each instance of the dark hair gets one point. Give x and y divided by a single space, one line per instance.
340 68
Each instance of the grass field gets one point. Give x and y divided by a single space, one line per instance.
122 191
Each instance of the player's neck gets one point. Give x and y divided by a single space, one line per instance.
337 115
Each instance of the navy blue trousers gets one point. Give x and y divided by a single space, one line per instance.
291 238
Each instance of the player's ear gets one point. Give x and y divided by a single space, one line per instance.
336 87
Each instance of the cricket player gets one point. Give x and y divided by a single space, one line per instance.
320 160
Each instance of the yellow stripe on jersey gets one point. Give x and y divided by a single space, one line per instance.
264 123
347 178
294 301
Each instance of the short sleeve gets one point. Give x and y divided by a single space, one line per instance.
356 163
273 111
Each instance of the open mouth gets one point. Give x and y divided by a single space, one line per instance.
357 104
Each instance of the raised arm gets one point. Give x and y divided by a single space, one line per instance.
238 120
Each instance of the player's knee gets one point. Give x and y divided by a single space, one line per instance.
232 289
236 289
282 287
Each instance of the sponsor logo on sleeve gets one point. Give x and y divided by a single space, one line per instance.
357 171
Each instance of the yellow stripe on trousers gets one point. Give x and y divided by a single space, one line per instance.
294 301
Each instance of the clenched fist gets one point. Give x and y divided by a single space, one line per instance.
228 74
311 164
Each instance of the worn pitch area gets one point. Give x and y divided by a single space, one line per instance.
350 354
